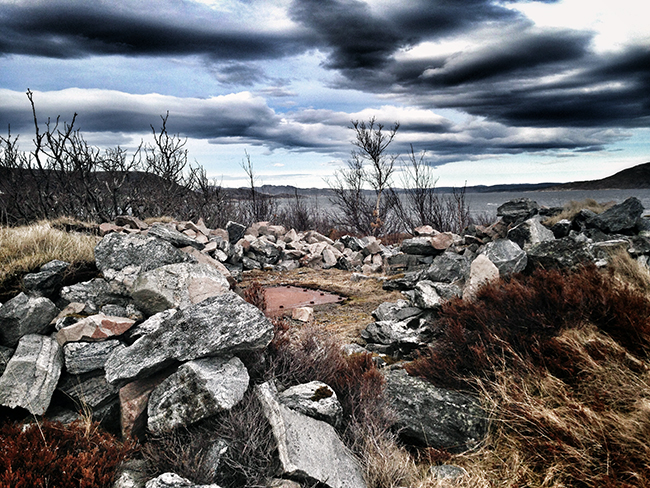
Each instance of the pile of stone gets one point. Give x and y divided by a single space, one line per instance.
440 266
261 246
155 343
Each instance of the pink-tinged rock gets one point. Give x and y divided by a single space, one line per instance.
442 241
108 228
482 271
223 233
94 328
133 404
133 222
199 227
201 238
210 246
425 231
302 314
190 233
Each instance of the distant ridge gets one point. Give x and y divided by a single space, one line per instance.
628 179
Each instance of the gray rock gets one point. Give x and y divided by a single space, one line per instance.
398 311
25 315
351 242
309 449
94 294
265 252
224 324
122 257
315 399
434 417
131 474
250 263
447 472
561 228
91 390
407 282
82 357
177 286
517 210
172 480
199 389
175 238
47 282
5 356
507 256
530 232
426 296
420 245
32 374
150 325
560 253
390 337
235 231
448 267
619 218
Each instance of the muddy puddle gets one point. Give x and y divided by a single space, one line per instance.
285 298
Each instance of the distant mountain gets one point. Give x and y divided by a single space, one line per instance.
628 179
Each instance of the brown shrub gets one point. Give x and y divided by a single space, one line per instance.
254 294
50 454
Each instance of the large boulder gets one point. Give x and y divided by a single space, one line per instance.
177 286
530 232
122 258
619 218
482 272
32 374
25 315
223 324
560 253
447 268
309 449
434 417
507 256
517 210
199 389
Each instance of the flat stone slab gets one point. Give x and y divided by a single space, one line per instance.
219 325
32 374
309 449
97 327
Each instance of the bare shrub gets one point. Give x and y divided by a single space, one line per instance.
258 207
423 205
368 165
255 295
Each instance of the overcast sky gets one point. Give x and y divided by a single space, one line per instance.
493 91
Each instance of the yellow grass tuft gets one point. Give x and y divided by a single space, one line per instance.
572 208
25 249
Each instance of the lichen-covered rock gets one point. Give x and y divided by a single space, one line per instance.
564 253
507 256
309 449
223 324
619 218
32 374
199 389
448 268
177 286
530 232
432 416
122 257
83 357
94 294
24 315
48 280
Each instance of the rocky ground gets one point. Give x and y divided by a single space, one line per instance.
159 340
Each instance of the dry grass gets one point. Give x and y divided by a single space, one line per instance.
569 396
572 208
25 249
630 271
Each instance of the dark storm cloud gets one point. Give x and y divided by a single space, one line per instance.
77 29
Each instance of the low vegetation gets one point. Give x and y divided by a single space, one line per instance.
573 208
50 454
25 249
561 361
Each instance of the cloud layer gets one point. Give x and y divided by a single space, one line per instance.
511 86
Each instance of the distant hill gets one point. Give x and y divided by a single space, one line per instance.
631 178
